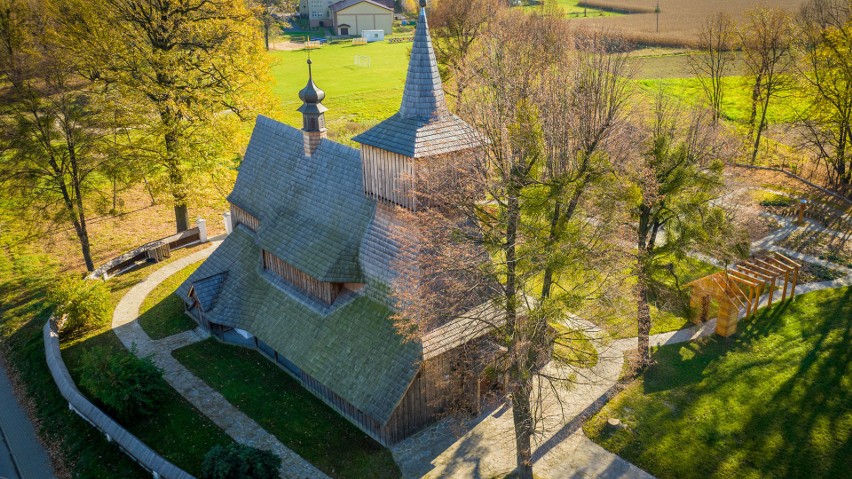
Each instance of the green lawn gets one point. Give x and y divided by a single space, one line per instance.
178 431
773 401
25 276
736 102
357 96
283 407
162 312
572 10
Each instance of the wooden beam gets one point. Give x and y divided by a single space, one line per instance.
738 276
750 270
787 260
771 267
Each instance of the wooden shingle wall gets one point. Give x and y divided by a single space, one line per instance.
386 175
242 217
324 291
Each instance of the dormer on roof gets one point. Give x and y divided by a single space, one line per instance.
422 128
313 114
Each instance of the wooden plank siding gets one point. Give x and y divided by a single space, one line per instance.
386 176
242 217
321 290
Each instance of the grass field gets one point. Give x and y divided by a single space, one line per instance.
773 401
573 10
178 431
284 408
161 314
357 97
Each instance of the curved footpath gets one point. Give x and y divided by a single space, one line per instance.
487 447
236 424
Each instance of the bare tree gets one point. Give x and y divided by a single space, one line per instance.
477 246
766 37
825 47
711 63
455 27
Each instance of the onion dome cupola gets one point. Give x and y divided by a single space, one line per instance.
313 114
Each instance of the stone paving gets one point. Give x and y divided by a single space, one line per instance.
482 447
22 456
486 448
236 424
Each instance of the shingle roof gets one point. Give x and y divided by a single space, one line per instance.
354 350
336 7
207 289
423 126
313 212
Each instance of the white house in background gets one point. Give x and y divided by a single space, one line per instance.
323 13
352 17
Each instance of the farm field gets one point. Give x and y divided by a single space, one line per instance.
772 401
679 19
573 9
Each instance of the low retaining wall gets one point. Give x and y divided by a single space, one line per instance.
175 241
127 442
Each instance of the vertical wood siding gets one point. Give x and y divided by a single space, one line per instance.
321 290
386 176
242 217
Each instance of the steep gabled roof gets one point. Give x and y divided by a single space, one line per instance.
207 290
424 125
313 212
354 351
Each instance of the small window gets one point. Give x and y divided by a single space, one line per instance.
312 124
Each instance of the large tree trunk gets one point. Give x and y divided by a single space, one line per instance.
643 318
522 415
173 166
643 311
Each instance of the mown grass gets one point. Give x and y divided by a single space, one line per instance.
162 313
284 408
25 277
572 10
179 431
736 102
573 347
357 97
773 401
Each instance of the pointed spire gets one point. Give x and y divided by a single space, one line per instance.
423 96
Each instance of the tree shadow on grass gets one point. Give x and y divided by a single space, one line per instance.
812 409
683 364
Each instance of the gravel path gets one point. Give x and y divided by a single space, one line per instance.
236 424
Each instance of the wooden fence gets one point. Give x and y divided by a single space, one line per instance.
127 442
175 241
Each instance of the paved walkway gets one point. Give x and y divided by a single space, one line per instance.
236 424
487 448
21 454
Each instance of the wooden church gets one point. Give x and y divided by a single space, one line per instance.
304 276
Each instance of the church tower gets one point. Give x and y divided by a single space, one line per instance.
423 128
313 114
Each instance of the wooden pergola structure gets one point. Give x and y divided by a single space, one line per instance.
740 288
